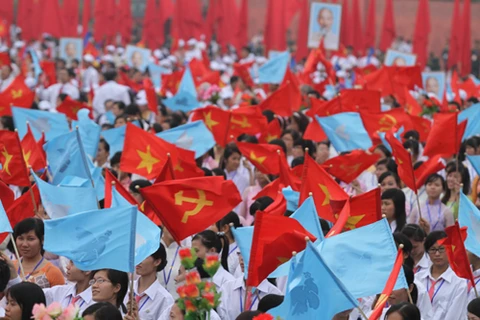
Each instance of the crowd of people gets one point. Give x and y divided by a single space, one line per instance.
117 95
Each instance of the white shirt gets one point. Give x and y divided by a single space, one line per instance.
450 295
109 91
51 93
423 301
4 84
166 315
232 260
232 302
65 294
155 300
166 277
240 177
90 79
221 277
471 292
423 265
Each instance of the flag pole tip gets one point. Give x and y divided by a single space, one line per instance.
401 246
278 151
379 185
168 154
294 253
113 183
307 239
137 187
310 194
383 216
231 225
306 149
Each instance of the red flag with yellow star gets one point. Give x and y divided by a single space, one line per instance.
112 182
152 98
186 167
284 101
349 166
270 190
6 195
274 240
242 70
33 153
456 252
263 156
248 120
14 170
323 188
144 153
387 290
188 206
403 160
171 82
16 94
70 108
216 121
272 131
278 206
167 172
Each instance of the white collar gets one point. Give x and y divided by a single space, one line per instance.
151 291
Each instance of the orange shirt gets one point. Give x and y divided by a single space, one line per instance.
46 276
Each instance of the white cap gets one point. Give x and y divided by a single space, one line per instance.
217 66
30 82
165 63
192 42
227 60
172 58
44 105
18 44
88 58
110 48
107 58
157 53
226 93
141 98
120 50
202 45
260 60
181 43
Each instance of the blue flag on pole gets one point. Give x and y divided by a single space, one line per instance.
64 156
53 124
156 74
475 162
313 290
346 131
243 237
37 69
187 84
308 218
182 101
115 138
89 132
273 71
61 201
469 216
147 237
397 135
292 198
99 239
193 136
4 222
98 179
472 115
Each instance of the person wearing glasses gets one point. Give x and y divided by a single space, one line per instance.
110 285
447 292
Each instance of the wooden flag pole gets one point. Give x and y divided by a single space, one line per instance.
132 294
18 257
476 292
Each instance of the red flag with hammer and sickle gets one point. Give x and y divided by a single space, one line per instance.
188 206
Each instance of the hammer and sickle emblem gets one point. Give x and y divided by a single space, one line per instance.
17 94
350 170
387 122
242 123
200 202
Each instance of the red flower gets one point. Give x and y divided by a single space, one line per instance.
264 316
185 253
189 306
192 291
192 277
181 292
210 297
208 287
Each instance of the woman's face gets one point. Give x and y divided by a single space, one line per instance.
293 125
380 169
120 122
418 250
102 153
380 153
471 316
176 313
388 209
297 151
389 183
147 266
29 244
438 255
453 180
73 273
434 189
233 162
13 310
323 153
395 316
398 296
288 139
470 151
200 249
103 290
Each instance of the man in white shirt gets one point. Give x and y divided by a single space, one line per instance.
110 90
63 86
90 75
6 77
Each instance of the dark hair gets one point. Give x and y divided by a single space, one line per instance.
474 307
231 217
121 278
248 315
219 172
294 133
27 294
465 176
116 158
210 239
407 310
141 183
122 116
247 138
28 225
7 123
103 311
411 134
414 232
400 238
132 110
301 120
110 75
270 301
161 254
260 204
298 161
413 145
434 177
433 237
280 143
105 144
398 198
387 174
4 275
227 153
121 105
410 277
384 149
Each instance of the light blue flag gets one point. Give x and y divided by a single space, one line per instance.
346 131
182 101
4 222
308 217
193 136
53 124
73 181
187 84
472 115
313 290
61 201
292 198
469 216
37 69
99 239
475 162
115 138
397 135
98 179
89 132
65 158
156 74
147 237
273 71
243 237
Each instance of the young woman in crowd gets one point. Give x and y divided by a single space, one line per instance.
28 236
231 220
111 286
20 300
457 181
261 180
393 207
389 180
403 311
417 236
235 170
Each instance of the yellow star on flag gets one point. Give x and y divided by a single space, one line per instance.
17 94
270 138
327 194
148 161
353 220
178 167
26 156
209 121
258 160
8 157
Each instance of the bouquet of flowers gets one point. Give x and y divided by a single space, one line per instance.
430 106
197 297
55 312
212 94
